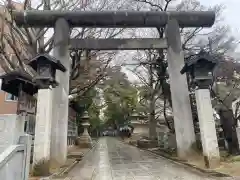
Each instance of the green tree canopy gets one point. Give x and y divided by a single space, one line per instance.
120 98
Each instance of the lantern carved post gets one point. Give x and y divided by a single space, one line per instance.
45 66
201 68
85 140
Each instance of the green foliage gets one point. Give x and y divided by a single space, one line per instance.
88 103
121 100
144 96
94 119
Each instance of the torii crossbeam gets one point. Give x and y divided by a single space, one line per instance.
116 19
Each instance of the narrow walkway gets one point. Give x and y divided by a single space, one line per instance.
114 160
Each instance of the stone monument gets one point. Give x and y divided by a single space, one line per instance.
85 141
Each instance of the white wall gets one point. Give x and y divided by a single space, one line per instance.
11 127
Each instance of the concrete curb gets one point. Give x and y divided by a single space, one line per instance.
209 172
69 168
66 170
84 158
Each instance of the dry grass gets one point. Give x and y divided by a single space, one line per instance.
41 168
230 165
197 161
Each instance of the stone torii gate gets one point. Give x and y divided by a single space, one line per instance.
54 125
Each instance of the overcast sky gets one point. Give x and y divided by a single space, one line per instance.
231 17
230 13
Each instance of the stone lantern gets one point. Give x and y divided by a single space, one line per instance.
139 125
201 67
135 116
85 141
46 67
85 122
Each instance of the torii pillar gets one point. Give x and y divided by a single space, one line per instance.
58 152
183 121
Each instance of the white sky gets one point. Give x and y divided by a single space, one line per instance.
230 13
231 18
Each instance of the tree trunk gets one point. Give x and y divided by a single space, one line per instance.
229 129
152 121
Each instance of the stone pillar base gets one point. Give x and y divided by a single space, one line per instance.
211 162
238 135
84 141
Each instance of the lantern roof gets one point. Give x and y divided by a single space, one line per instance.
213 59
135 115
12 81
48 59
85 116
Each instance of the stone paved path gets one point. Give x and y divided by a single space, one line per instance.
114 160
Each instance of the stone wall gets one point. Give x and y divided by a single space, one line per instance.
15 160
12 170
11 127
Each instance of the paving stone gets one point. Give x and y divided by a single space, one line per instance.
113 160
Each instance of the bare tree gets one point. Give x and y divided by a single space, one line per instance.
19 45
225 91
150 91
193 40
